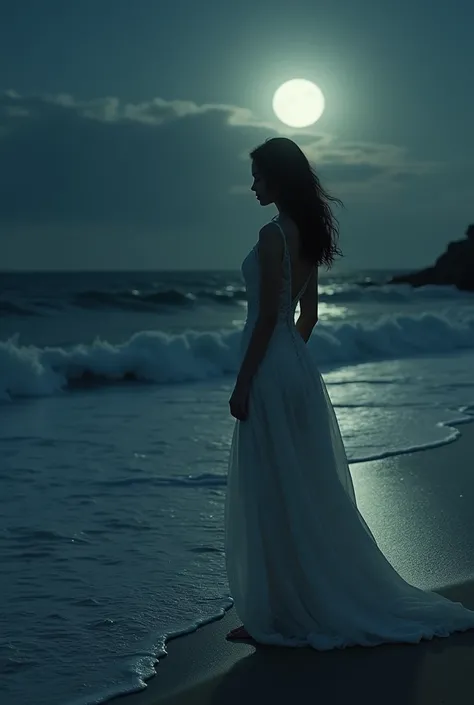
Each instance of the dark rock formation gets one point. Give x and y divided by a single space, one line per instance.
454 267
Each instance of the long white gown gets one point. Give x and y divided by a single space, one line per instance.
303 567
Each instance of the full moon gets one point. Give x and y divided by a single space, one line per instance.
298 103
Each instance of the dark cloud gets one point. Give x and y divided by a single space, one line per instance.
149 164
58 163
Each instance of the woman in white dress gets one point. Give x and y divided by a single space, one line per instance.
303 567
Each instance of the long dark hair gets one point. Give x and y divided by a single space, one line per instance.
288 173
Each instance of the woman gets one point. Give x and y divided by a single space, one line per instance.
303 567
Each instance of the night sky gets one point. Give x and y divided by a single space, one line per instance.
125 127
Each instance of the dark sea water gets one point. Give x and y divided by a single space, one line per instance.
114 438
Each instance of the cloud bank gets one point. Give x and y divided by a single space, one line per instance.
105 160
170 176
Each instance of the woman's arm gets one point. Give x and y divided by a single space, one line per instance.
270 255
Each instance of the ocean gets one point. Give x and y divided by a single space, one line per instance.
114 437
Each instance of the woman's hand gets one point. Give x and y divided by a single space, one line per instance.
239 401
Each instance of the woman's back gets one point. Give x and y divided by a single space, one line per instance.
300 268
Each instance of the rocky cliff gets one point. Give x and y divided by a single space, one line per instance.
454 267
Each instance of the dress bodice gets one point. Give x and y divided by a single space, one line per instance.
251 272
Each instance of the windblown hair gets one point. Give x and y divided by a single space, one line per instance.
288 174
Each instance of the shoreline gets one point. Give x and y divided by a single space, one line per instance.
419 506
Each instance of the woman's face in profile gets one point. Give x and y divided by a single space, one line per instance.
260 188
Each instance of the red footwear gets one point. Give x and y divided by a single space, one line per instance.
238 633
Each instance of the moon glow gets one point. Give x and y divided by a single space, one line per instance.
298 103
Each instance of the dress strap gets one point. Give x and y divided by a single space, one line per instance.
286 262
285 246
287 259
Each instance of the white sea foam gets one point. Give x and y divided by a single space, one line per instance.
163 358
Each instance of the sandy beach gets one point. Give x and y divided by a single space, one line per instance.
419 506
